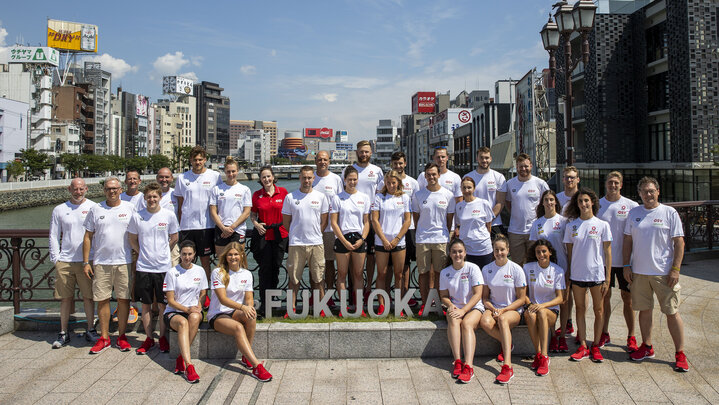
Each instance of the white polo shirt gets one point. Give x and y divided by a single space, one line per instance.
652 232
432 207
587 238
306 211
67 232
486 186
616 213
195 189
524 196
109 226
459 284
153 235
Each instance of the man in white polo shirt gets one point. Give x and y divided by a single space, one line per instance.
654 231
521 195
304 215
488 182
66 235
330 185
133 194
447 178
433 212
106 234
570 180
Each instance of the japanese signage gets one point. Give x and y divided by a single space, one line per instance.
423 102
71 36
141 106
34 54
177 85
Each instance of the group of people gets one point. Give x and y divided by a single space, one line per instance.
560 248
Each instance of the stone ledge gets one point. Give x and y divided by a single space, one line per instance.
344 340
7 321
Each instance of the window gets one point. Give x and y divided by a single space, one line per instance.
656 37
660 142
657 92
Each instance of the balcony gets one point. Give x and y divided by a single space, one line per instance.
578 113
88 148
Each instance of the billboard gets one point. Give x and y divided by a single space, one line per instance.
339 155
141 105
324 133
344 146
423 102
34 54
177 85
71 36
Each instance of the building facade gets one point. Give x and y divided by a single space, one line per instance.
13 131
388 133
213 120
237 127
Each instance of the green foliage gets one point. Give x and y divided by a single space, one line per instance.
34 162
181 158
138 163
98 165
159 161
115 163
73 163
14 169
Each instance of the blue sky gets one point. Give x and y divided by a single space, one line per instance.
339 64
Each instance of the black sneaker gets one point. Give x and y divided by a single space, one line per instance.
62 340
92 336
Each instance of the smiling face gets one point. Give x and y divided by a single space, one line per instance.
501 250
267 178
322 161
164 179
484 159
543 255
550 204
152 199
613 186
112 191
467 188
187 256
351 181
584 203
457 253
77 190
132 181
570 180
306 179
233 259
432 176
364 153
399 165
231 173
524 168
391 183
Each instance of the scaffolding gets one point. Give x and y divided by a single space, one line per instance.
542 129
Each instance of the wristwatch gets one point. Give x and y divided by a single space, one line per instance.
85 263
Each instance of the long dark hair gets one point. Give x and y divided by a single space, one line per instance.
572 210
532 254
455 241
540 208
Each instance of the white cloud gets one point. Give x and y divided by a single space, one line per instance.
273 52
328 97
4 50
197 60
169 64
190 75
118 67
248 69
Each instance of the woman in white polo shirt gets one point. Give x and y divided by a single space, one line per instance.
545 289
473 224
349 218
503 297
391 219
588 240
230 204
185 287
232 307
460 288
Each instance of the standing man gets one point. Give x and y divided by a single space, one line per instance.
433 212
133 194
369 178
106 234
522 195
193 189
614 209
488 182
410 186
304 215
654 231
168 201
330 185
66 236
447 178
570 180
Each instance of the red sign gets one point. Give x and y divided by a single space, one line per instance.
423 102
318 133
464 116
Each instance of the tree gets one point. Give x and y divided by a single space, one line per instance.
181 158
137 163
158 161
115 163
34 162
73 163
97 164
14 169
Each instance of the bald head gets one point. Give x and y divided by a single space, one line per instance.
77 189
164 179
322 161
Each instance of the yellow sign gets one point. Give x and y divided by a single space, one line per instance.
71 36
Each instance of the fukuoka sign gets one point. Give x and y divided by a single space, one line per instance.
34 54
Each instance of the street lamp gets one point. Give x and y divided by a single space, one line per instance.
567 20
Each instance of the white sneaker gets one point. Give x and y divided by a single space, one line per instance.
62 340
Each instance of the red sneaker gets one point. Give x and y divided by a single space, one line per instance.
322 314
500 356
643 352
580 354
123 344
191 375
179 365
596 355
380 309
206 305
364 314
554 344
562 346
569 328
535 363
412 302
421 310
467 374
543 368
603 340
148 344
164 345
246 363
505 375
100 346
682 364
457 370
261 374
632 344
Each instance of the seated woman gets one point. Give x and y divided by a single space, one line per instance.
545 291
183 312
232 310
503 297
460 288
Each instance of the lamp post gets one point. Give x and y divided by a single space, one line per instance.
568 19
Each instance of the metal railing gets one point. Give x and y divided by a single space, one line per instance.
28 275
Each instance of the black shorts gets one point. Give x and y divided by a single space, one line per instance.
169 316
352 238
212 321
587 284
370 241
203 239
235 237
380 248
148 287
480 261
411 255
618 273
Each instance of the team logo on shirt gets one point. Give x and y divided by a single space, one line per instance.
222 194
196 280
123 217
514 190
243 281
622 213
442 204
297 202
162 226
102 217
658 223
424 202
533 192
476 213
556 226
315 204
491 186
508 278
593 233
187 183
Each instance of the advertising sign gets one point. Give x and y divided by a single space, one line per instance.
177 85
344 146
141 105
423 102
324 133
339 155
71 36
34 54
